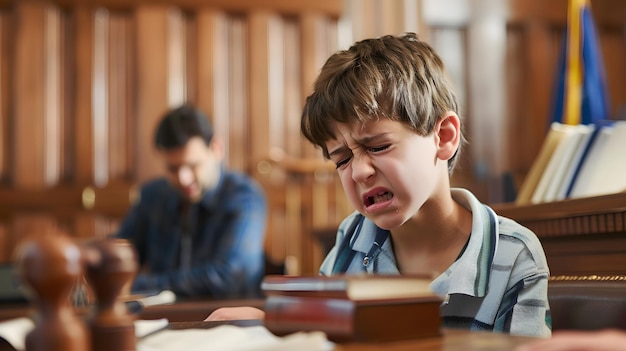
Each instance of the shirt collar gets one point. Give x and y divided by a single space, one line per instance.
469 274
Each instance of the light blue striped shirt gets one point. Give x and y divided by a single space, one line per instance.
498 283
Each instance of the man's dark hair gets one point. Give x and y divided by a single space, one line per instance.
181 124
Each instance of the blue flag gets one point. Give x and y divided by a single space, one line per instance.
581 95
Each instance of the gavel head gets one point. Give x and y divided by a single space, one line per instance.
49 264
111 265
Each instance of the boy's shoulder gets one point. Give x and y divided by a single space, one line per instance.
512 229
522 238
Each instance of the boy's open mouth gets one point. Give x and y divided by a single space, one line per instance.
379 197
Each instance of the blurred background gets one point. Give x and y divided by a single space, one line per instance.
83 82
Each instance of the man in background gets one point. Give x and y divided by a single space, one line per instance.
200 230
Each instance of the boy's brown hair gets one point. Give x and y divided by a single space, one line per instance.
396 77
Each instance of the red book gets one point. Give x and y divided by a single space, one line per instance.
351 308
354 287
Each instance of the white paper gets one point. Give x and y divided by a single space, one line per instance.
233 338
145 327
14 331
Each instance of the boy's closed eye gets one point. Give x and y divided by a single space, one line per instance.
372 149
342 162
375 149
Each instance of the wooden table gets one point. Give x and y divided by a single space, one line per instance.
450 340
182 311
194 310
190 314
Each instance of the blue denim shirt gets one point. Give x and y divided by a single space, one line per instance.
226 240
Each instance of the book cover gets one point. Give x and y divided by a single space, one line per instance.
604 169
345 320
557 189
354 287
552 173
553 138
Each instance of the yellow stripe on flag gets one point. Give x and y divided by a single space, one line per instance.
573 86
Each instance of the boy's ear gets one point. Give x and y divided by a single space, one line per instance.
448 131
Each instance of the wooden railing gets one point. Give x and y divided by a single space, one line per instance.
581 237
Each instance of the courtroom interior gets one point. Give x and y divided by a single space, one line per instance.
84 83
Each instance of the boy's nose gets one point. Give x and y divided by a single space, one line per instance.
362 168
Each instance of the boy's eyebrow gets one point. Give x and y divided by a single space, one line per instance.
337 151
371 138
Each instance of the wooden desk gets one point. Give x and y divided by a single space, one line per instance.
16 310
450 340
190 314
182 311
194 310
581 237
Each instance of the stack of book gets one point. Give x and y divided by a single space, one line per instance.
353 308
577 161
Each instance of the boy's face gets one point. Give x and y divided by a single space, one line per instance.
194 168
387 170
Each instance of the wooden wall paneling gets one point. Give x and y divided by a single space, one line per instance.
292 90
152 84
613 43
489 132
273 179
520 111
190 29
238 90
323 209
315 48
100 98
318 199
25 225
29 124
5 124
277 235
83 95
6 53
266 114
53 94
6 248
265 85
295 227
307 213
363 15
535 58
399 16
330 7
213 71
177 58
65 126
120 97
83 227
